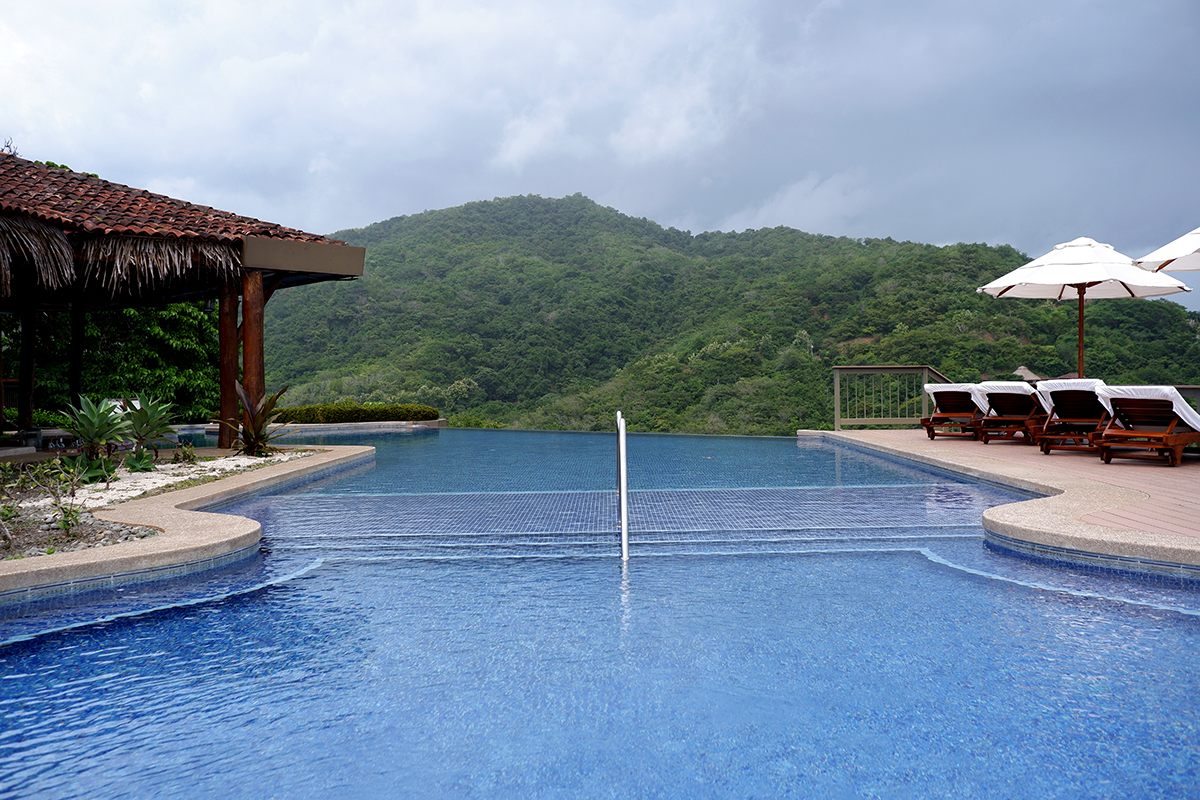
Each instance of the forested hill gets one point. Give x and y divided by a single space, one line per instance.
556 312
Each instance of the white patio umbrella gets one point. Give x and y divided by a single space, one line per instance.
1084 268
1181 255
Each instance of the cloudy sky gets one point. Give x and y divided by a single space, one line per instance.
1025 122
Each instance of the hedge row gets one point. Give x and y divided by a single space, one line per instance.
332 413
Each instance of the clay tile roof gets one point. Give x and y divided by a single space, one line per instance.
78 202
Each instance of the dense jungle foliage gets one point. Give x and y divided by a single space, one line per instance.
547 313
169 353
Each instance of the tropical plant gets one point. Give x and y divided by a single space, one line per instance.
185 453
101 427
69 515
82 470
139 461
149 423
255 435
60 478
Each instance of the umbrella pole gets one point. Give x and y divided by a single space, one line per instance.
1080 362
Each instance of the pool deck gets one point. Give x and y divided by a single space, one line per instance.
188 537
1134 511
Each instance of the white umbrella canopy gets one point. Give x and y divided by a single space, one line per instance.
1099 270
1181 255
1087 270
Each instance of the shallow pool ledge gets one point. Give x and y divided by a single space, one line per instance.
1047 524
188 537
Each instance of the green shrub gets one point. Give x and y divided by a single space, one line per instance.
41 418
336 413
471 421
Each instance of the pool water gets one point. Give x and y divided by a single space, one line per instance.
796 619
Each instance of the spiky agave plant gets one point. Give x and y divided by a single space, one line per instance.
149 423
101 427
255 434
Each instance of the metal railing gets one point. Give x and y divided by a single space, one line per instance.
882 395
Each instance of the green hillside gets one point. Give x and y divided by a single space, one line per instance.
552 313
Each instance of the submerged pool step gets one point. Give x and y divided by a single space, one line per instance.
569 524
651 512
459 546
605 543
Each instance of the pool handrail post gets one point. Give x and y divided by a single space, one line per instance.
622 487
618 468
620 475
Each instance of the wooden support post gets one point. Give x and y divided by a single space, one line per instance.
29 337
1079 364
78 340
3 404
227 331
253 370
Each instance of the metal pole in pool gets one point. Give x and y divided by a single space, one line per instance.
619 467
622 488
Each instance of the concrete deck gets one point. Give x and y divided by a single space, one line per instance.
1131 510
188 537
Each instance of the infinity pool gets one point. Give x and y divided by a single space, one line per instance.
796 619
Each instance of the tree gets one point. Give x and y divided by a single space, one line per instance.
170 352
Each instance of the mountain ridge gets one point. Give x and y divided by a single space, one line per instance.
543 312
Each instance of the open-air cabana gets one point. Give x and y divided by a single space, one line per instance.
70 241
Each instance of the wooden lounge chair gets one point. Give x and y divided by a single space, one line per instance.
1014 412
1076 415
1148 422
955 412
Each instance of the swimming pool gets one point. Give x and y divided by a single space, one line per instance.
796 618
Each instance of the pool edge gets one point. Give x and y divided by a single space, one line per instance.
188 536
1053 521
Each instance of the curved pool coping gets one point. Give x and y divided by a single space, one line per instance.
1051 525
188 538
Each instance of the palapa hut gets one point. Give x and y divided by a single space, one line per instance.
73 241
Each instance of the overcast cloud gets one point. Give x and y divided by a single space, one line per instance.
1024 122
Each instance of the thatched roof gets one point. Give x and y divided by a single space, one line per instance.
67 237
43 247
